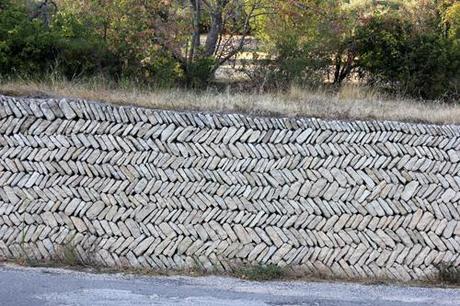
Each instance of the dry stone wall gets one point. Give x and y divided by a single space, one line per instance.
127 186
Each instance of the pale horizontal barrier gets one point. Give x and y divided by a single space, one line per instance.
134 187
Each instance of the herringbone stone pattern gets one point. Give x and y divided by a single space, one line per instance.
128 186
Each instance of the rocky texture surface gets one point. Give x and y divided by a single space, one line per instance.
135 187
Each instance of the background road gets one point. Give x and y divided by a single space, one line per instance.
46 286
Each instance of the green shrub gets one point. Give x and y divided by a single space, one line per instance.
395 56
28 47
296 63
261 272
449 274
291 62
200 71
25 46
81 51
162 70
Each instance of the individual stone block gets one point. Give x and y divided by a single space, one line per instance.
454 156
409 190
95 209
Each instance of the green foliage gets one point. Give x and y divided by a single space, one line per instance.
79 46
432 66
381 44
295 64
162 69
313 41
199 72
408 46
261 272
28 47
296 40
80 51
24 45
393 55
300 61
395 45
449 274
452 21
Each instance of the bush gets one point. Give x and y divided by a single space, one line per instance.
79 57
449 274
81 51
161 69
28 47
432 66
261 272
394 56
292 63
25 47
200 71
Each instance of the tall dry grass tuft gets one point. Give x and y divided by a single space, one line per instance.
351 102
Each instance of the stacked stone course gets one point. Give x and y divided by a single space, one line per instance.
128 186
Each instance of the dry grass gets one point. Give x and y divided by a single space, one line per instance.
349 103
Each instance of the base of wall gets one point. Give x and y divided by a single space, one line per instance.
68 254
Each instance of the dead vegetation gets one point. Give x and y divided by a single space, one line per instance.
351 102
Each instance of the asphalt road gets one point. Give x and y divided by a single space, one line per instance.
46 286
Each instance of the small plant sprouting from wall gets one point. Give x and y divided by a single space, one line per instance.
69 256
261 272
449 274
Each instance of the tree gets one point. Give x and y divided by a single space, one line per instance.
451 20
312 41
199 35
179 29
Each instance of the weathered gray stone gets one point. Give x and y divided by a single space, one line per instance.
67 110
454 156
167 190
448 195
95 209
304 135
409 190
317 188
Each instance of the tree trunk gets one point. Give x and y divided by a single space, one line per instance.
338 67
214 32
195 45
217 26
343 70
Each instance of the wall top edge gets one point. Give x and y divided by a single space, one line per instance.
77 109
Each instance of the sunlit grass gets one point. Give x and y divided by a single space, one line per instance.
351 102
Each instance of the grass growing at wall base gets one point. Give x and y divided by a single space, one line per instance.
65 255
261 272
449 274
